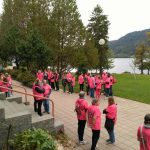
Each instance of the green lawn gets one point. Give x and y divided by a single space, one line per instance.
128 87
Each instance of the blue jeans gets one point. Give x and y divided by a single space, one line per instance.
111 135
46 105
91 92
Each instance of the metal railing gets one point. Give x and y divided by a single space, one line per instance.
32 96
26 101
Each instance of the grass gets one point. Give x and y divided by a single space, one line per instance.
128 87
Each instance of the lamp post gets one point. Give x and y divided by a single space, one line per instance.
101 43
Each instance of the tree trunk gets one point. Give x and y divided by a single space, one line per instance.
148 70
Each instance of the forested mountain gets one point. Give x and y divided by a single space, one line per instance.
126 45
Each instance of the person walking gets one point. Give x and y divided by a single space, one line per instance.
143 133
47 93
98 83
94 121
39 91
81 107
92 86
111 116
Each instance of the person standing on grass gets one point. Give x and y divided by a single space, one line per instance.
143 133
39 91
47 93
81 107
94 122
81 82
111 116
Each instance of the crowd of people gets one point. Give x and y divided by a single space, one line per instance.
92 85
92 115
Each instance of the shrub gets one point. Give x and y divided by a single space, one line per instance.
35 139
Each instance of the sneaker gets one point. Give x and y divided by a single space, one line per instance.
44 111
82 142
109 142
48 112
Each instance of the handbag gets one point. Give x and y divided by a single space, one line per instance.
142 138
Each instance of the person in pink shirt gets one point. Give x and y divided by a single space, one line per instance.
47 93
111 116
81 82
69 80
92 86
87 77
81 107
52 81
39 75
107 86
98 83
9 80
143 133
5 84
94 121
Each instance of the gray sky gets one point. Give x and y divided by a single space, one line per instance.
124 15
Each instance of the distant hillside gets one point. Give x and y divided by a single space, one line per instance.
125 46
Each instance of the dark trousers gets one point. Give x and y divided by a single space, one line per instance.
95 138
69 87
57 85
81 127
110 91
87 89
53 85
35 105
39 106
81 87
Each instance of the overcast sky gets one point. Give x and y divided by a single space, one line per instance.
124 15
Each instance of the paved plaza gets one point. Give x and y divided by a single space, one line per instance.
130 116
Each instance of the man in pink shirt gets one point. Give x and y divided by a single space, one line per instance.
111 116
81 107
143 134
69 80
92 85
94 121
81 82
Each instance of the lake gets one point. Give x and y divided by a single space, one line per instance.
123 64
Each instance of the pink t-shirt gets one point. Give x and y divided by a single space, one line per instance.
146 136
81 106
98 84
111 80
39 76
47 89
92 82
81 79
69 77
112 112
94 112
73 81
